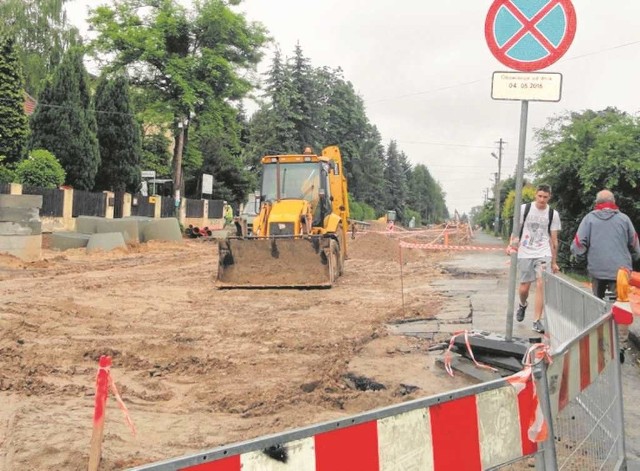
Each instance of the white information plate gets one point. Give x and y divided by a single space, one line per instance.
207 184
530 86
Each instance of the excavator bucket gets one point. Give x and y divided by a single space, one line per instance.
277 262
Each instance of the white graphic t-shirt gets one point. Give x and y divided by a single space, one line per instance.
535 234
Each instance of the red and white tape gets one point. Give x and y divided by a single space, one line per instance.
408 245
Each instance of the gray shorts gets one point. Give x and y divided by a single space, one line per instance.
531 268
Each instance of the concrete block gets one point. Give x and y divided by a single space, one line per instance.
87 224
127 227
162 229
105 241
20 201
25 247
19 215
20 228
69 240
142 223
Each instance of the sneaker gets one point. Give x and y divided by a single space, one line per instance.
520 312
537 326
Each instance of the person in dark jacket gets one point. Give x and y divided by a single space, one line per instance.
608 239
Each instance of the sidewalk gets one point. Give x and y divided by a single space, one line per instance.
484 276
482 280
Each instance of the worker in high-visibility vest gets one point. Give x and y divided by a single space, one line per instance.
228 214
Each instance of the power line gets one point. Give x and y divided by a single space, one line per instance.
445 144
464 84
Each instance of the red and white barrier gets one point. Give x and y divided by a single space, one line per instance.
469 433
408 245
572 372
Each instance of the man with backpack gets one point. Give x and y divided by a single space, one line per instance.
537 251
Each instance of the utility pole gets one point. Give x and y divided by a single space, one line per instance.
496 226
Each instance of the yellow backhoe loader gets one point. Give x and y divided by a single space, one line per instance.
299 237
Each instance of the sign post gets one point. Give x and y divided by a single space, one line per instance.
527 36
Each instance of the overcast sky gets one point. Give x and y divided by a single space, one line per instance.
424 71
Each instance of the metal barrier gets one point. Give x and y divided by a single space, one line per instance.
476 428
568 309
585 389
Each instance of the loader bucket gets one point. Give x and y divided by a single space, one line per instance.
275 262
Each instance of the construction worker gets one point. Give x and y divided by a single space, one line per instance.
228 214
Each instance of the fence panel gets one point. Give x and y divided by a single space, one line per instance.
52 200
118 204
140 206
168 208
584 379
5 188
216 208
568 309
195 208
86 203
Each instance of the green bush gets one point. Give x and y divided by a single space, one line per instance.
41 169
360 211
6 174
408 214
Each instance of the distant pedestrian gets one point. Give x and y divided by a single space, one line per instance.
608 239
537 251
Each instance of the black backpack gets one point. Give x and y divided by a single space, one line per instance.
527 208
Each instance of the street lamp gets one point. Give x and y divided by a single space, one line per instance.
496 226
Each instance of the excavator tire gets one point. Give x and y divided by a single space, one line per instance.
334 261
341 246
277 262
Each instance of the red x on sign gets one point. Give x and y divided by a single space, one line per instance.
529 35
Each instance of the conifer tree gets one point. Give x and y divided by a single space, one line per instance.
14 125
396 180
64 122
118 136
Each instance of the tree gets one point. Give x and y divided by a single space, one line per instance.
14 125
396 181
118 136
367 183
40 169
581 153
425 195
42 35
220 150
156 155
64 122
272 127
190 59
302 100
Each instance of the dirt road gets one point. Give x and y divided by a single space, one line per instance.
198 367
